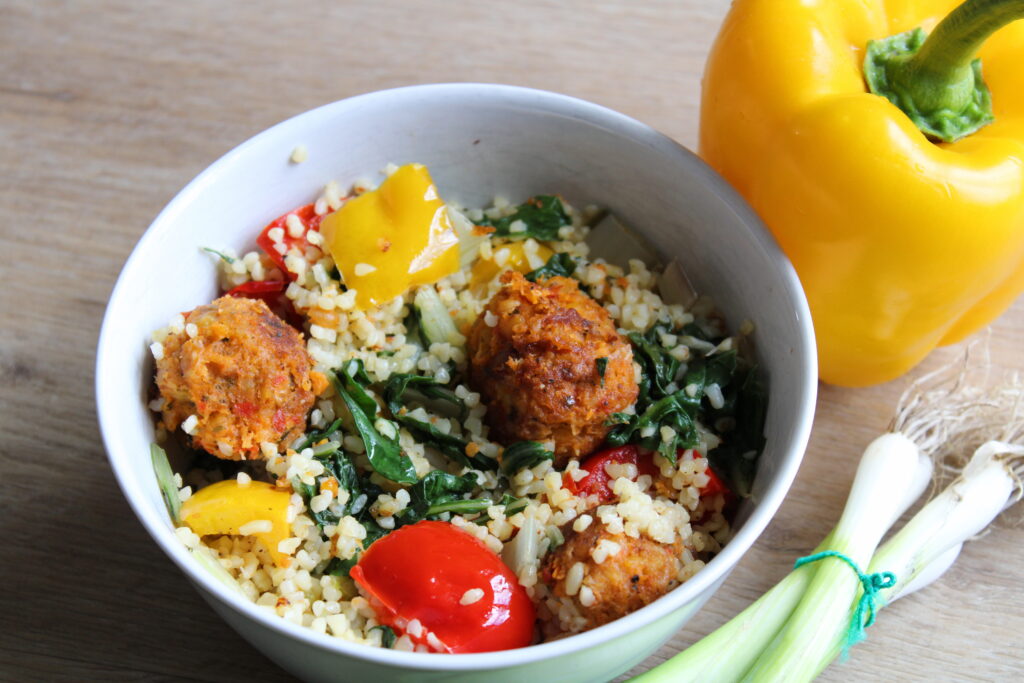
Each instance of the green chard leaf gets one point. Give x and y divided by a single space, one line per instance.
413 331
304 490
735 459
543 215
361 493
671 411
659 366
665 402
512 506
438 488
522 455
403 388
700 332
385 454
618 419
439 492
694 382
355 380
339 466
340 567
316 437
721 368
558 265
424 387
387 636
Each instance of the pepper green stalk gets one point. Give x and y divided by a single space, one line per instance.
936 81
889 463
730 651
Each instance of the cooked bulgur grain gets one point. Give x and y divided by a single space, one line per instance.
583 559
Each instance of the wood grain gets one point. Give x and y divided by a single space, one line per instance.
108 108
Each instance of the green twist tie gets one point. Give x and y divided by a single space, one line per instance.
864 615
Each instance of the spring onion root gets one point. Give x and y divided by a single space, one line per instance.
796 629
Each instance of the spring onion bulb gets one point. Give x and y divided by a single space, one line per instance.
931 571
796 629
931 541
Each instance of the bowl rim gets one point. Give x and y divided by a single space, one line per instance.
716 569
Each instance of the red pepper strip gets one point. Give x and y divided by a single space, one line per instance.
270 292
598 482
310 221
714 485
256 287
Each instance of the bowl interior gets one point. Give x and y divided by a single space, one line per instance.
478 141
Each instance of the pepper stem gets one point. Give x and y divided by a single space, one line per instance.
936 81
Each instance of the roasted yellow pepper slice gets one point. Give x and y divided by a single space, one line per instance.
227 506
392 238
901 242
485 270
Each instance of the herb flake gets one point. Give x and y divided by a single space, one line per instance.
223 257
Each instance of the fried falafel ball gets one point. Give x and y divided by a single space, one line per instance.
641 571
244 373
549 364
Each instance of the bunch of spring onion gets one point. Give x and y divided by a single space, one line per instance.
969 436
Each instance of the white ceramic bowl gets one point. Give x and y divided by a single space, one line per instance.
478 141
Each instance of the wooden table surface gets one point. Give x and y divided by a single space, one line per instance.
108 108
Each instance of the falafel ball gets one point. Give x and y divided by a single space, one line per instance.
244 373
640 572
549 364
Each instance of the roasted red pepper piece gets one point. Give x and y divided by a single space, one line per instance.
450 582
597 482
714 485
310 221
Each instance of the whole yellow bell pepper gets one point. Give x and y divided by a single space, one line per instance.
903 240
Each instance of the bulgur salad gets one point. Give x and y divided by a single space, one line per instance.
415 425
